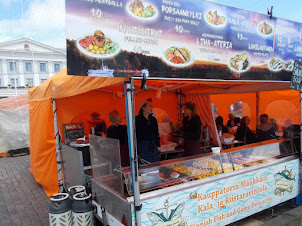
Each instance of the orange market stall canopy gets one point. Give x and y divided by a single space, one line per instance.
76 97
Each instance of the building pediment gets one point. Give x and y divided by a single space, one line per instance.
28 45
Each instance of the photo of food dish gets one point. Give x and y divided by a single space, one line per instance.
265 28
178 56
98 45
142 10
275 64
215 18
289 66
240 63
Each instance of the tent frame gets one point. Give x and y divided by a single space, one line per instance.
129 103
129 88
58 148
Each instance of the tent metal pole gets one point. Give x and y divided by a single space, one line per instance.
300 140
179 104
58 151
257 107
132 148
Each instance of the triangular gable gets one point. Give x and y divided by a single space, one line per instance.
26 44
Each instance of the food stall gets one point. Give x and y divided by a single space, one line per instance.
190 51
208 189
70 104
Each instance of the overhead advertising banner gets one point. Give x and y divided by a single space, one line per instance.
178 39
224 201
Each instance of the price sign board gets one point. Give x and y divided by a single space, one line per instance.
296 80
178 39
73 131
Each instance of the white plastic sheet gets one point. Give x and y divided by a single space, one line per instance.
14 129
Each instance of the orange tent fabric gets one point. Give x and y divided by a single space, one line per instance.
42 146
77 96
41 129
278 104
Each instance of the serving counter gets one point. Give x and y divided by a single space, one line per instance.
205 189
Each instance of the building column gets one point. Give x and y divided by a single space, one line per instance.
50 68
21 73
4 70
36 72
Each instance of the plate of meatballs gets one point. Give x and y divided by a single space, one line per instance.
98 45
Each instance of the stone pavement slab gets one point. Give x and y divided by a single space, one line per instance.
290 217
22 200
284 214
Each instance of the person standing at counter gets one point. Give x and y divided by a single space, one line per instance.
192 130
117 131
244 133
147 132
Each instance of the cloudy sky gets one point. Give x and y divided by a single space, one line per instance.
44 20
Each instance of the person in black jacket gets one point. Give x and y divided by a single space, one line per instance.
192 130
119 132
244 133
265 131
147 132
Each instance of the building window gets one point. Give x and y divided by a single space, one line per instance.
13 66
29 82
12 82
28 67
42 67
57 67
43 80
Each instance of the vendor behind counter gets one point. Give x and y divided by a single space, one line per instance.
117 131
97 126
147 134
192 130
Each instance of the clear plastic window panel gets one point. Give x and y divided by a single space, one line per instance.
205 166
262 154
106 163
155 176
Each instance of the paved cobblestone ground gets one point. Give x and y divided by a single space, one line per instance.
284 214
22 200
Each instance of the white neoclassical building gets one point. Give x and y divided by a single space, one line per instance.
26 63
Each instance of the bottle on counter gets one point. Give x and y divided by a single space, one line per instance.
220 131
206 135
